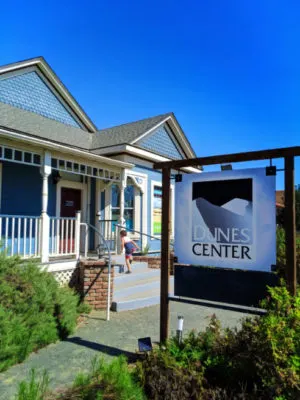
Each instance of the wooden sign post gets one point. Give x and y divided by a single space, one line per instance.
290 225
165 256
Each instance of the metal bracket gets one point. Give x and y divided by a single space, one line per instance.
178 178
271 170
273 267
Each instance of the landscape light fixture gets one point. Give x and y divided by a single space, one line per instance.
226 167
145 345
180 320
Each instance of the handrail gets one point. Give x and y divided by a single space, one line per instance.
141 233
109 265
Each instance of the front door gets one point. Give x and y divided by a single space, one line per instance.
70 204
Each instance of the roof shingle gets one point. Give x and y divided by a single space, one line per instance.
126 133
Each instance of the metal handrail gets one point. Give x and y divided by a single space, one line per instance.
109 264
141 233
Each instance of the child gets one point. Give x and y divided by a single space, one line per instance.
129 247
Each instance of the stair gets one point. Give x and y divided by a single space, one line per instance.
137 290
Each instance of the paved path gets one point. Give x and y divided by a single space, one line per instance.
65 359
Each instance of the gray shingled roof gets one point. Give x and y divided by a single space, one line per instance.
125 133
44 128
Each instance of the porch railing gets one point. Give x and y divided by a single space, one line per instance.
20 235
107 229
62 240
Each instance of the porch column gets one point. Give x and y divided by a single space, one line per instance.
122 199
122 206
45 220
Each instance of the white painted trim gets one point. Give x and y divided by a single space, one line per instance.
64 149
144 156
72 185
138 218
159 183
58 85
60 266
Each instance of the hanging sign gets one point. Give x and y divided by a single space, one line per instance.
226 219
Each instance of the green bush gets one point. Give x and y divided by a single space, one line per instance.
34 310
35 389
261 360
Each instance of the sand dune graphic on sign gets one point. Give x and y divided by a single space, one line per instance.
223 217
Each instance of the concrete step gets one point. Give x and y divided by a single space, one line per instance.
123 281
138 295
136 268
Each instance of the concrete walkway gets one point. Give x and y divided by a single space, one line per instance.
64 360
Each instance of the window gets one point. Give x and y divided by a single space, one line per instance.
156 209
128 204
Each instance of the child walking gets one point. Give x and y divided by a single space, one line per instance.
129 246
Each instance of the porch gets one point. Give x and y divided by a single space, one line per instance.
53 206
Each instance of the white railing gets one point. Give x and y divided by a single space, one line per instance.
62 240
20 235
107 229
44 236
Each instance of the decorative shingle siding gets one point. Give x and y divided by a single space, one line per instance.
161 143
29 92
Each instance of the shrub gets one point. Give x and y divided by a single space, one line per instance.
34 310
261 360
35 389
105 381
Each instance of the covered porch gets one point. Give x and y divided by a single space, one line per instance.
51 199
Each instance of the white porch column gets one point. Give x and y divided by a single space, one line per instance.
122 206
122 198
45 221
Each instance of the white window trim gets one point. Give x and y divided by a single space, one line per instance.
137 217
159 183
72 185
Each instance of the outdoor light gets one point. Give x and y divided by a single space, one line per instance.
226 167
180 320
56 177
145 344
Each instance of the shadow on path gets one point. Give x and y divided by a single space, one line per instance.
101 348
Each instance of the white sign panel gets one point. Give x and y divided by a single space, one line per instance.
226 219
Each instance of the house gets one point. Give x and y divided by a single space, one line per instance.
63 181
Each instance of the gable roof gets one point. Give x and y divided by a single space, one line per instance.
126 133
133 132
36 125
44 68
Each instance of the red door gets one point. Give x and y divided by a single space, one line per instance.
70 204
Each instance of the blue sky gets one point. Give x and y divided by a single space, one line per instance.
229 70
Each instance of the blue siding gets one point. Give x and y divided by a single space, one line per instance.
22 190
152 176
29 92
161 143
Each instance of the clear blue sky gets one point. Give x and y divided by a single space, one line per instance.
229 70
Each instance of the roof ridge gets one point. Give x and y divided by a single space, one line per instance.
136 122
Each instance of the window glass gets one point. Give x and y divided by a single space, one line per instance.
115 196
129 196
